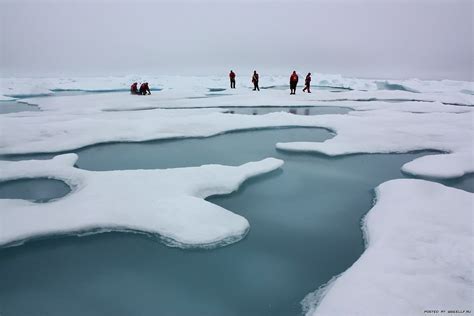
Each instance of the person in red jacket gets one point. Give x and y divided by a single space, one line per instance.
255 81
134 88
293 82
144 89
232 79
307 83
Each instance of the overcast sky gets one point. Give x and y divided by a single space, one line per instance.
365 38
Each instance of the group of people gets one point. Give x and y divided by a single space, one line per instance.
293 81
144 89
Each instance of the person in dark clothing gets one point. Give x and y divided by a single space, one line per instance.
232 79
144 89
293 82
134 88
255 81
307 83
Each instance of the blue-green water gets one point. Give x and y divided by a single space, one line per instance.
37 190
14 107
305 228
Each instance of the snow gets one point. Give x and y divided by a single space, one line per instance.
167 202
452 98
453 165
419 255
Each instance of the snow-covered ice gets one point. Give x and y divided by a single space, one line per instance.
419 255
168 202
453 165
69 122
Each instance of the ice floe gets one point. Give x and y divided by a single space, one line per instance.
443 166
419 256
387 131
168 202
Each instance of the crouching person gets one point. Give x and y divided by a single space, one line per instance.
144 89
134 88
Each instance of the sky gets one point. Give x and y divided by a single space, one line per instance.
426 39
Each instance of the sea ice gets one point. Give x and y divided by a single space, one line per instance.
168 202
20 87
419 233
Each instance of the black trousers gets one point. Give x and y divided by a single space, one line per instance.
293 87
255 86
232 83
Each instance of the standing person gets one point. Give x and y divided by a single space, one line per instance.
293 82
232 79
307 82
144 89
255 81
134 88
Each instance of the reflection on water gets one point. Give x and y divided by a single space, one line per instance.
313 87
297 110
216 89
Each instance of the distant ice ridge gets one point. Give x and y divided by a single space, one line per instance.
20 87
167 202
419 256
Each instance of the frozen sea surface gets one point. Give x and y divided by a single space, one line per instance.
304 218
305 228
